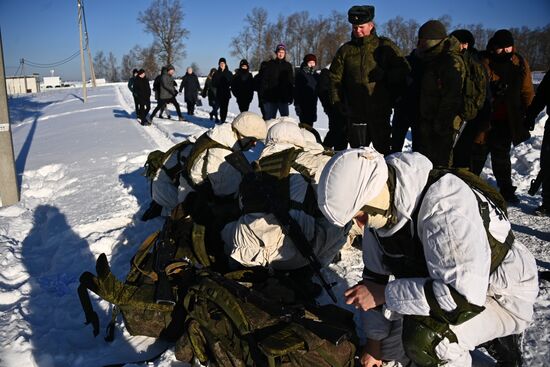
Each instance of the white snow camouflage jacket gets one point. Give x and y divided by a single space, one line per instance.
257 238
455 246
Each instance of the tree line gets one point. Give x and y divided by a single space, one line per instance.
303 34
163 19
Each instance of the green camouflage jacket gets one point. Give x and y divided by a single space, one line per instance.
366 75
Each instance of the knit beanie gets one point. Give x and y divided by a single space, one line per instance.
310 57
222 59
432 30
280 46
464 36
243 62
503 38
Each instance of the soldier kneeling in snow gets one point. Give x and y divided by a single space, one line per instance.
443 273
290 168
199 166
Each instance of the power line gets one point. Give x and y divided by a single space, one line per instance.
51 64
15 74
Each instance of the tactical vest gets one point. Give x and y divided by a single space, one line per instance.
404 254
275 180
203 143
157 159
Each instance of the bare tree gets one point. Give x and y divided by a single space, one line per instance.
148 58
447 21
100 64
296 25
242 45
112 70
402 32
164 20
257 24
196 68
339 32
126 66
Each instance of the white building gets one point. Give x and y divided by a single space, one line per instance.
22 84
51 82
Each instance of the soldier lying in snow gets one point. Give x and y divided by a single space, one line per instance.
196 163
257 237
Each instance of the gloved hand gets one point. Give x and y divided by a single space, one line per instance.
376 74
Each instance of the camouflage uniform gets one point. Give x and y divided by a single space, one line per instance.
440 100
366 75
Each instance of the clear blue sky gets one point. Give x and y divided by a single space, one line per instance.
46 31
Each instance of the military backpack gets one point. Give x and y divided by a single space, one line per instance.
474 87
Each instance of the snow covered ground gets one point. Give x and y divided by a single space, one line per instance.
82 192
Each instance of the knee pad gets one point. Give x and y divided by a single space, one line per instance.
421 334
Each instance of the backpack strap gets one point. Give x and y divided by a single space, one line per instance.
203 143
87 282
140 255
479 188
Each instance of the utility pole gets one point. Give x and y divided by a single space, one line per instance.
92 71
9 194
84 93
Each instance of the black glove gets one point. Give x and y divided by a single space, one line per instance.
376 74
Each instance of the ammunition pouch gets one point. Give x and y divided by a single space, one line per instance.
421 334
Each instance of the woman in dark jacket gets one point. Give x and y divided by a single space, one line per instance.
222 82
210 91
305 90
242 86
142 92
190 83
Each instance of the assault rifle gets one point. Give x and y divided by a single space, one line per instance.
535 184
165 249
288 224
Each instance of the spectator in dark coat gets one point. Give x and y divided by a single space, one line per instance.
242 86
257 88
168 92
222 82
156 89
131 87
190 83
541 100
210 91
512 92
336 136
305 90
277 84
142 92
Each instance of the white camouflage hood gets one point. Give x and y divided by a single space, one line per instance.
350 180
